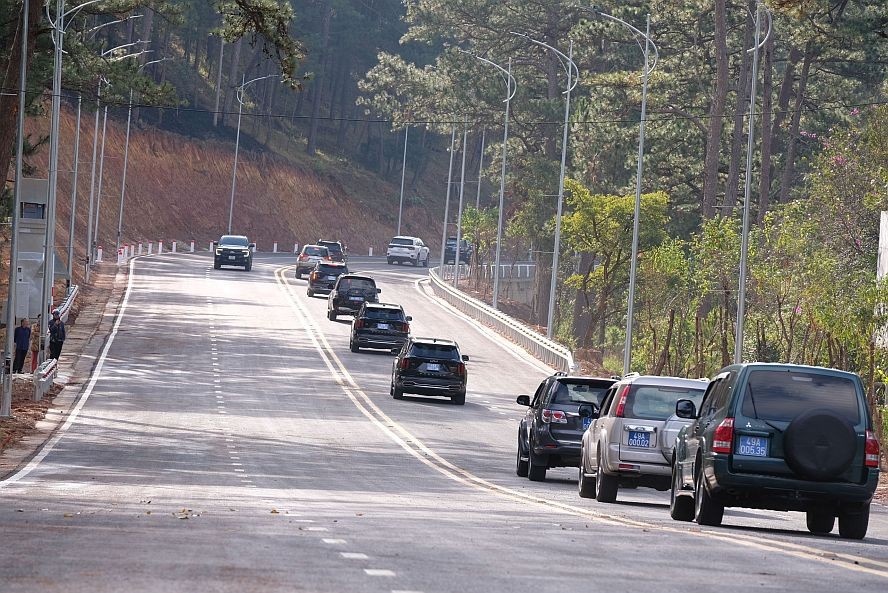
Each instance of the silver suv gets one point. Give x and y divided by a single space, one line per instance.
630 441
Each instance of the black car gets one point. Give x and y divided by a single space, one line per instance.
782 437
323 277
429 366
380 325
350 293
233 250
466 251
336 249
550 433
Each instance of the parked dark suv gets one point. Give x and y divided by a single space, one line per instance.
350 293
233 250
466 251
380 325
336 249
323 277
429 366
550 433
780 437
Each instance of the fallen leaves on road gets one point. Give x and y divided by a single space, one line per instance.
25 413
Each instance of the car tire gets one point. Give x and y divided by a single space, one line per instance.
853 522
216 265
536 465
706 510
248 267
425 262
521 465
397 393
585 484
389 261
298 275
458 400
331 315
819 445
353 347
310 293
820 522
681 508
606 486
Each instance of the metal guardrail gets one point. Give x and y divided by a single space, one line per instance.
552 353
44 377
66 305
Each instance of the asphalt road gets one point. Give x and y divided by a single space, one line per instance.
231 442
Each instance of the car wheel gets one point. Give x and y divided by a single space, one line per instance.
216 265
706 510
853 522
389 261
536 465
248 267
681 508
425 262
353 347
331 315
820 522
585 484
298 275
397 393
459 400
310 293
521 465
605 486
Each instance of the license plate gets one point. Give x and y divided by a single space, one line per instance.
430 366
230 257
586 423
356 298
752 446
331 277
639 439
382 326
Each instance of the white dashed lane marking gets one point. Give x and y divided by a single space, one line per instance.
334 542
353 555
379 572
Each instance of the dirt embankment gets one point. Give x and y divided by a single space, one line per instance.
179 188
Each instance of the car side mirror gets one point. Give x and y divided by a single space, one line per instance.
685 408
378 291
409 318
589 411
465 358
523 400
252 246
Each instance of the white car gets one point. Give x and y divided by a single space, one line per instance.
403 249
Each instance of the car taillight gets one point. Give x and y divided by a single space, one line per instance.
359 323
404 364
461 369
871 450
621 405
302 257
554 417
723 439
403 327
314 275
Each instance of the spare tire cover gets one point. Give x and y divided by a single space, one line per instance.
819 444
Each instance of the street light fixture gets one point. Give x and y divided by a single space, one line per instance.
511 89
633 272
570 69
240 99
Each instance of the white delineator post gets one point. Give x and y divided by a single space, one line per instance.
295 247
174 246
100 251
150 247
371 252
274 247
140 248
159 247
192 247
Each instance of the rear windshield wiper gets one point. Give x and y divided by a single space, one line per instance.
755 411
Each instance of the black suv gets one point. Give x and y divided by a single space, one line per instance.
466 251
380 325
323 277
550 432
429 366
336 249
350 293
233 250
781 437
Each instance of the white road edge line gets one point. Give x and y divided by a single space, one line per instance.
97 373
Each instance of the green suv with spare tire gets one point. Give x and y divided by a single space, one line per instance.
780 437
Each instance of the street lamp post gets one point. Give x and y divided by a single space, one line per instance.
511 89
403 174
240 100
633 271
74 189
480 168
570 68
750 140
462 188
447 200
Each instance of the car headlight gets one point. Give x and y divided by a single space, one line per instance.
246 251
218 252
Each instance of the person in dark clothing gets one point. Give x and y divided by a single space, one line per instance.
22 342
56 335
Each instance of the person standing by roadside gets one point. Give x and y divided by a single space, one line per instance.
36 338
56 335
22 342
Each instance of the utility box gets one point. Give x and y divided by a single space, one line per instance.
31 211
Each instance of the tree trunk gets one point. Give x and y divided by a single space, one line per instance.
789 165
321 78
664 354
742 103
767 131
716 112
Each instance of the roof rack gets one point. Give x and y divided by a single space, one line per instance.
560 374
631 375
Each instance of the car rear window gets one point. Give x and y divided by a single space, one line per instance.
321 251
328 269
783 395
357 284
571 392
384 314
397 241
434 351
333 247
657 402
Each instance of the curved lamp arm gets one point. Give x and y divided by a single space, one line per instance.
511 83
637 32
566 62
